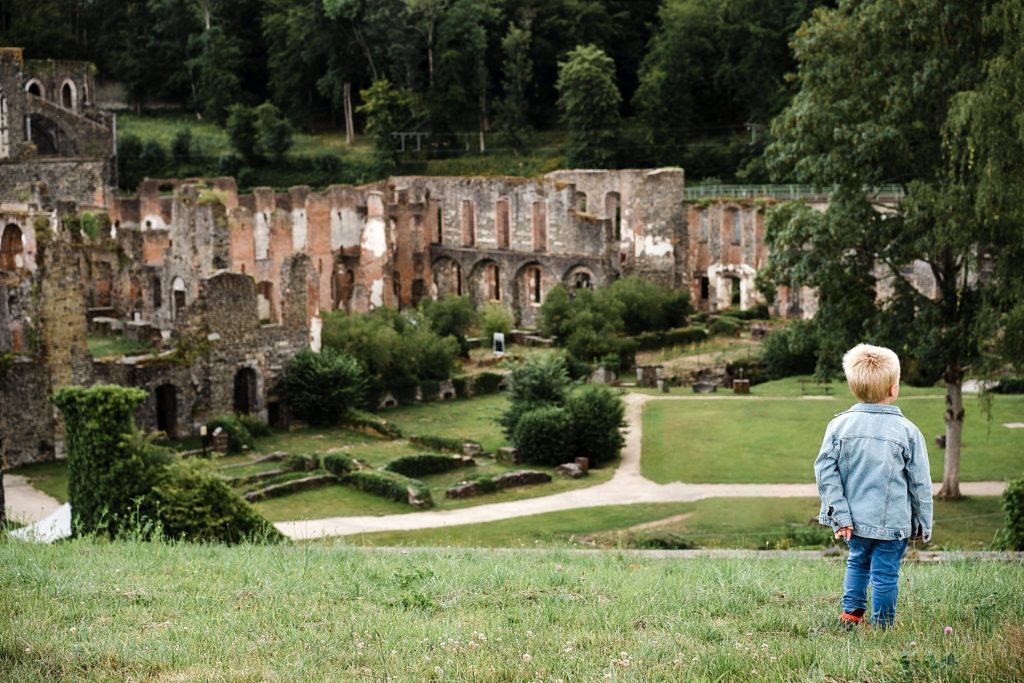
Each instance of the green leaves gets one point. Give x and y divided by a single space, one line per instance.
322 387
589 100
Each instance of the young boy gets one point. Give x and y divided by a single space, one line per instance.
875 485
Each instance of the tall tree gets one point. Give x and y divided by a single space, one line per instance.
882 94
513 120
589 100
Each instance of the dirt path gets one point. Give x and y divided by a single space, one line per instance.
24 503
626 486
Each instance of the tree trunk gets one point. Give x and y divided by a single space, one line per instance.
954 418
350 132
3 516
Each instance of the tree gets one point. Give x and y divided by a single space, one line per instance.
388 111
518 74
241 130
322 387
589 101
894 93
273 132
214 68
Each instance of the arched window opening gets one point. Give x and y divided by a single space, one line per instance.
265 301
439 239
12 248
34 87
158 295
67 95
178 292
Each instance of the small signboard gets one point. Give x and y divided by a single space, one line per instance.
499 344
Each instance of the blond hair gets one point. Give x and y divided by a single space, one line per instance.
871 371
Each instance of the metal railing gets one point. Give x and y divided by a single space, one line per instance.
780 191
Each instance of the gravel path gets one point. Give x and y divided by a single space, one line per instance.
626 486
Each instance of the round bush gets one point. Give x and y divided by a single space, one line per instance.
322 388
543 436
597 414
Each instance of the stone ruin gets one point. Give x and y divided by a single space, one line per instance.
232 285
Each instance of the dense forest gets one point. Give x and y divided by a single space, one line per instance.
691 82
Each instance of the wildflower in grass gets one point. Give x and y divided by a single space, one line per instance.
947 630
527 658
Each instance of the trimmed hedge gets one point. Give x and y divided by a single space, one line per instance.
301 463
338 464
487 383
427 463
390 485
1009 385
725 326
441 443
676 337
361 420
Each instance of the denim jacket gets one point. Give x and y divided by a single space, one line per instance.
872 473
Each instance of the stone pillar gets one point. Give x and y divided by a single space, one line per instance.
373 280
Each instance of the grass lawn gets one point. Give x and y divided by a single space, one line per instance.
754 523
777 440
471 418
106 347
117 611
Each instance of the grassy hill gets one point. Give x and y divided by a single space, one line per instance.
99 611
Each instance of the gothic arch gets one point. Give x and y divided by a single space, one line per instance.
12 248
69 95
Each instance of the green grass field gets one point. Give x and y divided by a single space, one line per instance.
474 419
119 611
106 347
761 441
753 523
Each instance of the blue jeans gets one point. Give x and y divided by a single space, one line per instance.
877 562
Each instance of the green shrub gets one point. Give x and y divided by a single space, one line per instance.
390 485
790 351
181 146
751 369
427 463
597 414
360 420
495 318
192 503
429 390
1013 505
442 443
486 482
297 462
254 426
1009 385
487 383
322 388
119 482
338 464
757 312
105 475
543 435
725 326
239 438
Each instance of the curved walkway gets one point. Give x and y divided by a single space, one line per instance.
24 503
626 486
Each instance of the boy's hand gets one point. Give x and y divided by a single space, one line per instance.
845 533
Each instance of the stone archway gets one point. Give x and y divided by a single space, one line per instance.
726 279
12 248
179 300
579 277
528 289
484 282
69 96
447 277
